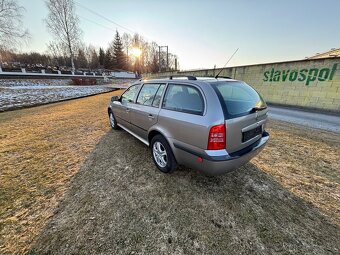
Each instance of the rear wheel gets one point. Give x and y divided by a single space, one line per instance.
162 154
113 121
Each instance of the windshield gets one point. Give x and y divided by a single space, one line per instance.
238 98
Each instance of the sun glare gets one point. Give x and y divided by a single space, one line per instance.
136 52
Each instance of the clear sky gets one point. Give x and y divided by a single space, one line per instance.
206 33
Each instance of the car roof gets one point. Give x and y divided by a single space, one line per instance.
188 79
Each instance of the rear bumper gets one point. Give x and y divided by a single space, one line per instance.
220 162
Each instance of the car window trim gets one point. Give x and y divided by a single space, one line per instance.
160 101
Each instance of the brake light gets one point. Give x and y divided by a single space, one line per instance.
217 137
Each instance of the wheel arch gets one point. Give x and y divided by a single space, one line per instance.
163 132
153 133
158 131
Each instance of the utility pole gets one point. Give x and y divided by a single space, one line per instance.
175 64
159 58
167 57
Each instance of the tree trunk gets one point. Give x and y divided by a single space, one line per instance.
72 63
71 52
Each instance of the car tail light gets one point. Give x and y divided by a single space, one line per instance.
217 137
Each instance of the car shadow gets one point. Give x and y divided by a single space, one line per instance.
119 203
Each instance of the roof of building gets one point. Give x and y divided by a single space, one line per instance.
334 52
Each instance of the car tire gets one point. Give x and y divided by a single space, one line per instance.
162 154
113 121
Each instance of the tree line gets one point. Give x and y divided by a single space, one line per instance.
67 49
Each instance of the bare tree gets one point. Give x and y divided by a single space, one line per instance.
12 31
63 24
126 40
58 53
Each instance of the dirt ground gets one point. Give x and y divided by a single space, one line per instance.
285 201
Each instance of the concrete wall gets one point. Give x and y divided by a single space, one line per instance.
305 83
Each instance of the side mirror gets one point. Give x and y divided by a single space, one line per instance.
115 98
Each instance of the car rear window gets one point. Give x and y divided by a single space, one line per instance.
237 98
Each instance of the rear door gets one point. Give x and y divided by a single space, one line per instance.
182 113
144 113
245 113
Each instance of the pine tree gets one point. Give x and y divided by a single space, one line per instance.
81 60
119 58
108 63
94 60
101 57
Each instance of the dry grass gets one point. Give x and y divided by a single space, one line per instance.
40 150
119 202
306 162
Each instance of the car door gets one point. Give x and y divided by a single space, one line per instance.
181 113
144 113
123 106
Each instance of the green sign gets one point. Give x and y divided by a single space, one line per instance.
306 75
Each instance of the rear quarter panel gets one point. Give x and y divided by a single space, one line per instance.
190 130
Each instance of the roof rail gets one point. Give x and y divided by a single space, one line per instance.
225 77
214 77
189 77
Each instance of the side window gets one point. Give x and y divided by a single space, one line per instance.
130 94
147 94
184 99
158 96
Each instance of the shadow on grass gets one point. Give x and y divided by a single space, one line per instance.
119 203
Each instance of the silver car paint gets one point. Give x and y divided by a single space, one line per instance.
187 134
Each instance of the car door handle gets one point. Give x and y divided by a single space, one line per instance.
151 117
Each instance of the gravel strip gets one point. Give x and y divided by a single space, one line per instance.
16 94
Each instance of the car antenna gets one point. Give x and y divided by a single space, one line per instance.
226 64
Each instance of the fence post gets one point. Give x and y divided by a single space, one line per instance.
59 72
23 70
43 71
0 69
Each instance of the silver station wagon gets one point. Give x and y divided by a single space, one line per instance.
213 125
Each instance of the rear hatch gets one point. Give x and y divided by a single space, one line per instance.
245 113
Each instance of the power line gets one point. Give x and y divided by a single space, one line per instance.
107 19
103 17
111 21
97 23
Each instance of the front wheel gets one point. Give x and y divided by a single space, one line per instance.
162 154
113 121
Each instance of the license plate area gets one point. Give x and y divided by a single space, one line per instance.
246 136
